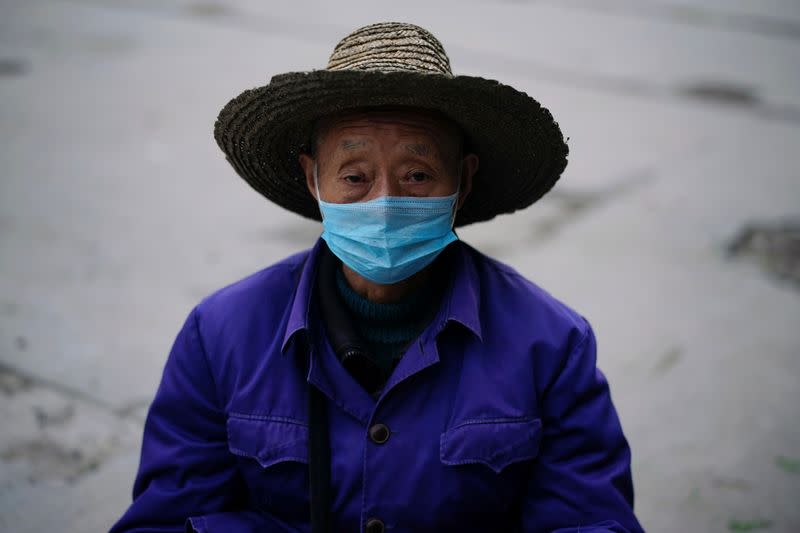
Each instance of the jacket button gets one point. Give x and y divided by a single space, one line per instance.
375 526
379 433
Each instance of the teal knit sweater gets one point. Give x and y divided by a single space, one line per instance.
386 329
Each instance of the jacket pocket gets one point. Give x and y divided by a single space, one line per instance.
496 443
273 462
268 440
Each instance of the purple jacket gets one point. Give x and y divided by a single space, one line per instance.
498 419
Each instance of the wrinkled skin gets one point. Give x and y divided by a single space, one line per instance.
363 155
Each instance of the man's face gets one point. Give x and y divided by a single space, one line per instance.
361 156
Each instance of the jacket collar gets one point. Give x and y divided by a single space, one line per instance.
460 303
301 304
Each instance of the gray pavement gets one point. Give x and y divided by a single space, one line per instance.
118 213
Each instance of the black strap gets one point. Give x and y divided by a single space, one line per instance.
346 343
319 462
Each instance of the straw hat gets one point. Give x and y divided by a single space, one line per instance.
521 149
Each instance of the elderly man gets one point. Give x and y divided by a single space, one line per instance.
391 378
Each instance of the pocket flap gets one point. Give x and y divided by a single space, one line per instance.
268 440
494 443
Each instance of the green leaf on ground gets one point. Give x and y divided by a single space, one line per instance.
749 525
787 464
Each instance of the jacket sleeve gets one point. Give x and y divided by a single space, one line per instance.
187 479
582 478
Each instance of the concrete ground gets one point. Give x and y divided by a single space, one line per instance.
674 229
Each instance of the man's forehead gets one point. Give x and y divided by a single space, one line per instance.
420 121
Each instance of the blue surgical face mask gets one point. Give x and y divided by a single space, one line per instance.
391 238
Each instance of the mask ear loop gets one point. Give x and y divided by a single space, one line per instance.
458 185
316 186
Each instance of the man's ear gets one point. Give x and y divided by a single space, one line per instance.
307 162
469 166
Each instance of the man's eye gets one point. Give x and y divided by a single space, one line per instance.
418 177
353 178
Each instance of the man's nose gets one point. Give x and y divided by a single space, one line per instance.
385 185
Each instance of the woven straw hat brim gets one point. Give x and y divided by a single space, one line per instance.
521 148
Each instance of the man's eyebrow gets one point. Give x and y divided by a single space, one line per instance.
349 144
419 149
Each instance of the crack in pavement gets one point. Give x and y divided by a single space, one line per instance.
690 15
561 208
710 93
51 460
576 205
14 380
212 13
57 434
774 245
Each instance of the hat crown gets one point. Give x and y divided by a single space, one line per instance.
391 46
